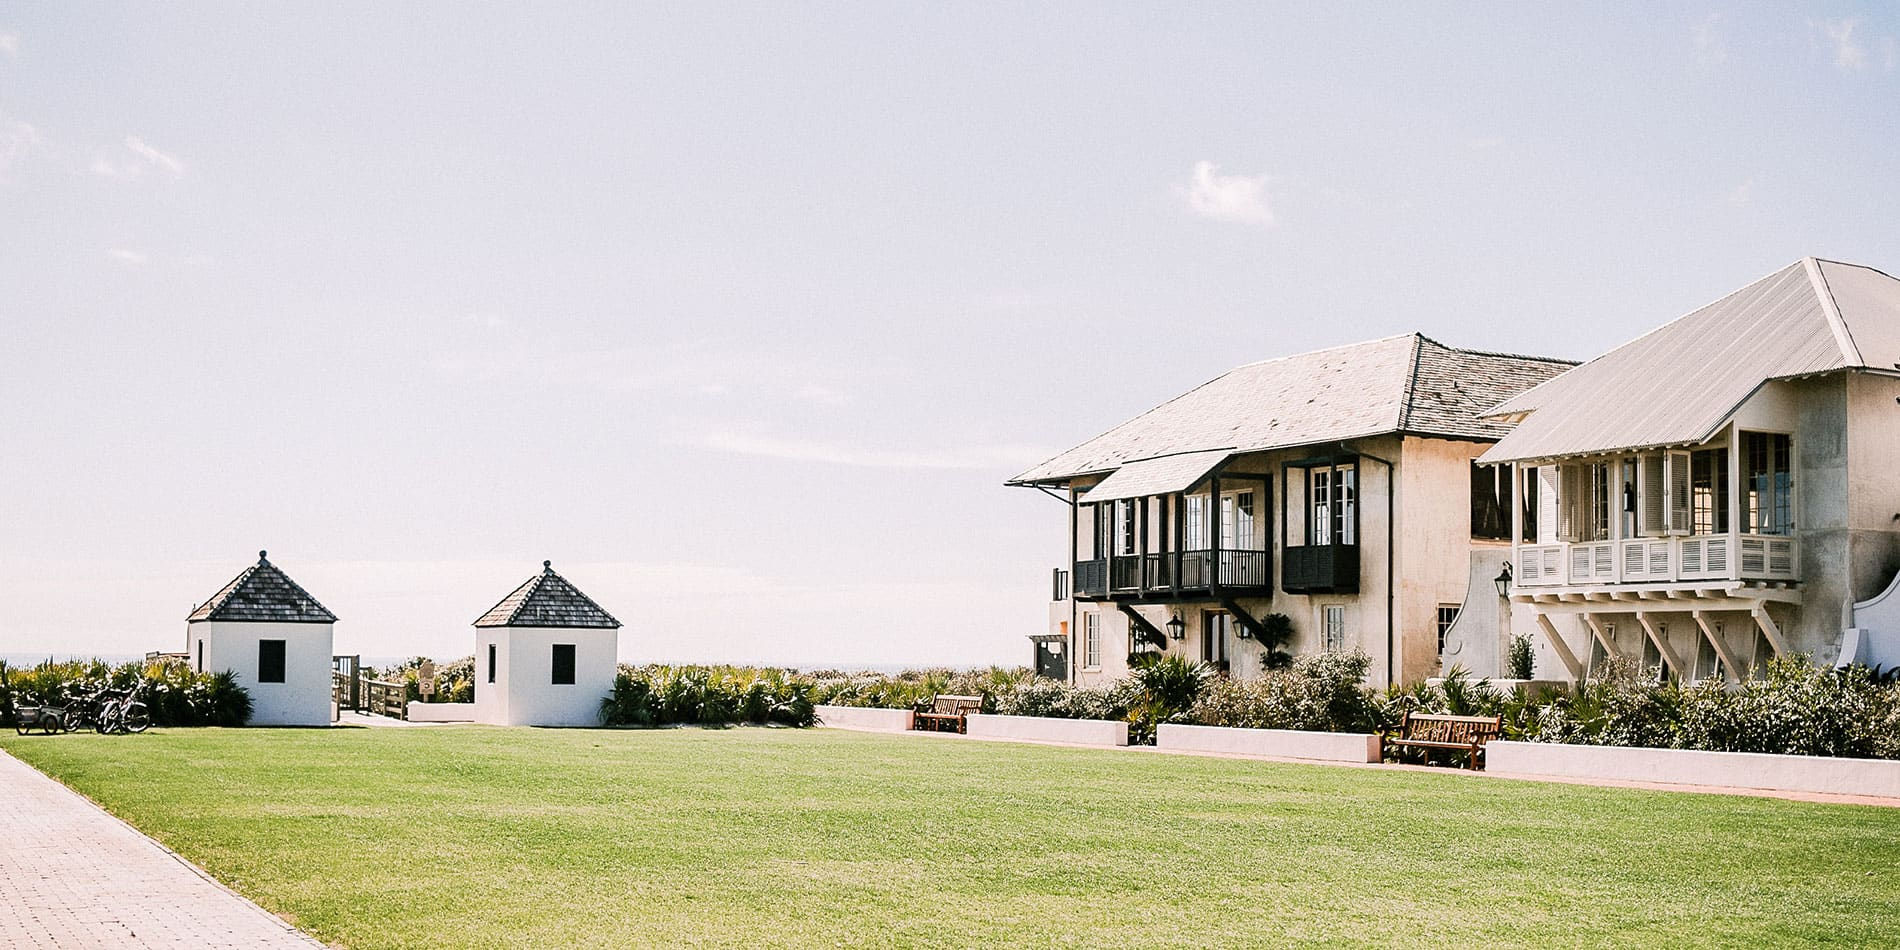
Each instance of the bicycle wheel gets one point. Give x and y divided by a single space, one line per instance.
49 725
102 723
137 719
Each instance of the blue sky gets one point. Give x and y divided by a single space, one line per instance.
741 314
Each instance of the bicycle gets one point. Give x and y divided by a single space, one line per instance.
124 711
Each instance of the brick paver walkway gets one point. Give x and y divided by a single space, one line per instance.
73 876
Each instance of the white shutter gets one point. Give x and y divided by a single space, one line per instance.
1573 503
1652 493
1547 504
1676 467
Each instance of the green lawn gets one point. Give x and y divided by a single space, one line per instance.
483 837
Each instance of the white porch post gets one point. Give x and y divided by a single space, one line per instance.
1562 649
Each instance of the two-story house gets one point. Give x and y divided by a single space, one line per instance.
1715 491
1337 488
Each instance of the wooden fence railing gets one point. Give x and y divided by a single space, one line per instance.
383 698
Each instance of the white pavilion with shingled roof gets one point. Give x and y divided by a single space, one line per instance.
544 656
274 638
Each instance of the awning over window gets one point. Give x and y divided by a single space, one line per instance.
1157 476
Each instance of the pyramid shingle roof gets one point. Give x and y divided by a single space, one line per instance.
547 600
262 594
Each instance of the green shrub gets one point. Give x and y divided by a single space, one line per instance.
175 694
1521 662
1318 691
662 695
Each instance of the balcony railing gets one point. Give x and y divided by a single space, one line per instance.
1659 560
1148 574
1321 569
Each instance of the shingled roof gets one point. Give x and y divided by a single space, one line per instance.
1408 383
547 600
262 594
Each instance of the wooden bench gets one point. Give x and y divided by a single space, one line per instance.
944 712
1466 734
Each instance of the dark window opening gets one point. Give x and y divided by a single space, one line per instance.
1447 615
1708 491
1490 502
564 664
270 661
491 663
1529 505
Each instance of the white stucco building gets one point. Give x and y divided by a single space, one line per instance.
1337 488
274 637
545 656
1717 491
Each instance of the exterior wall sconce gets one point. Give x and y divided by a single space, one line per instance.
1177 629
1503 580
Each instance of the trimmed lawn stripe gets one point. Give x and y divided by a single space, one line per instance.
485 837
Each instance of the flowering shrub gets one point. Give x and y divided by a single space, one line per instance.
175 694
1320 691
661 695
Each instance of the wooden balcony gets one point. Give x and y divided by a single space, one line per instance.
1141 577
1320 569
1733 557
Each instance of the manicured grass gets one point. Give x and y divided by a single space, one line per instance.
481 837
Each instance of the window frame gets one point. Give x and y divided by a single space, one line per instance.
1445 624
282 660
1091 640
1332 628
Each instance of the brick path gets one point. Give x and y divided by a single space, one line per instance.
73 876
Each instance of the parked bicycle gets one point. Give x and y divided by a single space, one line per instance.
123 711
83 711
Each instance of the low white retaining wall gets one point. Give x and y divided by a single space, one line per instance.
873 720
1042 729
1782 773
441 712
1282 743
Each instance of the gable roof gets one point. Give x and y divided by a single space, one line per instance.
1679 383
262 594
1408 383
547 600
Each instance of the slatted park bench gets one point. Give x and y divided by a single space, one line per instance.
1427 731
945 713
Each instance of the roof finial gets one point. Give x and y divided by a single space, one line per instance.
547 565
263 557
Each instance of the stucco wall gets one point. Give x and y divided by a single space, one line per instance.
303 698
1434 545
525 673
1873 481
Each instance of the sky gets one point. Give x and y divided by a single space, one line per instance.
742 314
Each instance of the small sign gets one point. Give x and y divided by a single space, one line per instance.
425 678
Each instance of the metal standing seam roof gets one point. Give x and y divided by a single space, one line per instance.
1678 384
262 594
547 600
1170 473
1407 383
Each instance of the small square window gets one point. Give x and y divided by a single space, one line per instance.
564 664
270 661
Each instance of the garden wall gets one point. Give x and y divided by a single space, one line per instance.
1281 743
1784 773
873 720
1101 732
441 712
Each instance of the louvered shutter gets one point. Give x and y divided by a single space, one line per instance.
1572 502
1652 496
1676 468
1547 498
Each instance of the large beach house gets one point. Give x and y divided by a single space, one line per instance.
1338 488
1719 490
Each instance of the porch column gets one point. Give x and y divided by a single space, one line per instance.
1562 649
1730 669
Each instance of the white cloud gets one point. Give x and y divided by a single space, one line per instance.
806 450
1743 194
10 44
127 256
1711 45
1238 198
132 166
1848 51
16 140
